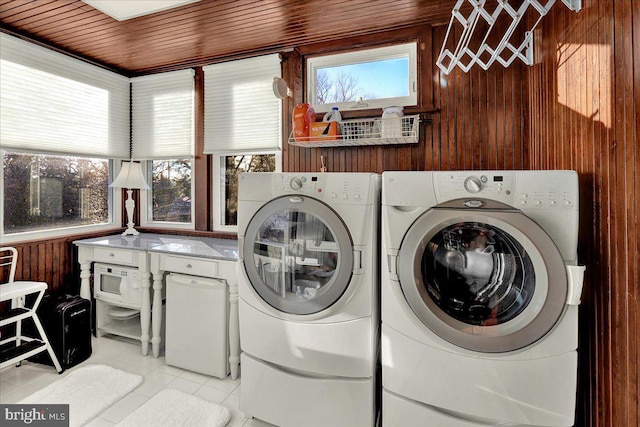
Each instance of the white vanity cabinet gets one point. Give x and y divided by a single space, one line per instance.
155 255
209 268
135 257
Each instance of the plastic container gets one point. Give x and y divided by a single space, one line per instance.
333 115
303 116
391 124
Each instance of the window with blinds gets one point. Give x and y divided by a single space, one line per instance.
163 134
243 123
55 104
241 113
162 111
62 122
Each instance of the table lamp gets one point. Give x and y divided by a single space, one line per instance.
130 177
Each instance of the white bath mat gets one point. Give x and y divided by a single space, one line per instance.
88 390
174 408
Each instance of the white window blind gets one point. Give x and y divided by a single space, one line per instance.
52 103
241 113
162 111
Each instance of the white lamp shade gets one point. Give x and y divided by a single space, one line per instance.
130 176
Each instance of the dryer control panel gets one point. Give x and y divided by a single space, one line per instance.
332 188
310 184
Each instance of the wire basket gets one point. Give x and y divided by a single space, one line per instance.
395 130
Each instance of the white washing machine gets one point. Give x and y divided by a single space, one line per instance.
480 294
308 285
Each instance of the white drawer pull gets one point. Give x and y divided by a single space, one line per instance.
189 266
112 254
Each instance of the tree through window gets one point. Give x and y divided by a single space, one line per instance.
364 79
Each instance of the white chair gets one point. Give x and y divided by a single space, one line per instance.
16 292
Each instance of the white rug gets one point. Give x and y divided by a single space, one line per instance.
173 408
88 390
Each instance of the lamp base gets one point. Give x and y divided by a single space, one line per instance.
130 206
130 232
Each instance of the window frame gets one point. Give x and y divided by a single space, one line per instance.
218 184
146 205
369 54
115 213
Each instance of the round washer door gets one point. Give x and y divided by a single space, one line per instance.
487 281
298 255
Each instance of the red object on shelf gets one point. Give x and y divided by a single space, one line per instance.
303 116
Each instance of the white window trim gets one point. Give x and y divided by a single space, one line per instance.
218 179
146 208
367 55
115 216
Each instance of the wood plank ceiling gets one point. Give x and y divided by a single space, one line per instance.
206 31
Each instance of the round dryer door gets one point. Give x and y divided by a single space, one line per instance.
484 280
298 255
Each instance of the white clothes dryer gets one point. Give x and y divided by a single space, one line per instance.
480 293
308 285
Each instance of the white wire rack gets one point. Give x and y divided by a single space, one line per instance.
402 130
505 52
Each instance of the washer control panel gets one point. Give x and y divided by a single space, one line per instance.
521 189
458 185
474 184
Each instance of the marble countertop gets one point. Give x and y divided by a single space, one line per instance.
201 247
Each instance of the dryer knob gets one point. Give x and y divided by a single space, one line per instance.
296 183
473 184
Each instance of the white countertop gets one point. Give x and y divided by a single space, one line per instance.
201 247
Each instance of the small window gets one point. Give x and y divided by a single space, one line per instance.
169 202
364 79
227 168
46 192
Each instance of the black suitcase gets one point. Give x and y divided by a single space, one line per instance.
67 322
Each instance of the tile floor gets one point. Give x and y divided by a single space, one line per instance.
18 383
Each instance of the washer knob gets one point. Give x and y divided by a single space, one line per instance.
473 184
296 183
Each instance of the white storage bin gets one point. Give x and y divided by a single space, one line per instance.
197 325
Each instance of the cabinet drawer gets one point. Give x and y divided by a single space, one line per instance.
195 266
113 256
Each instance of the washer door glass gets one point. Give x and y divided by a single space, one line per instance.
486 281
298 255
477 273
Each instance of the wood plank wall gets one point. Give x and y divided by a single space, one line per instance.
479 122
54 261
576 108
585 115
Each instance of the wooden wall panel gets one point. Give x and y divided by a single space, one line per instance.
53 261
584 109
577 108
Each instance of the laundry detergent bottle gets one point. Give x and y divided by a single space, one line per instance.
333 115
303 116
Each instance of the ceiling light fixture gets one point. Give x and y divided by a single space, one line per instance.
123 10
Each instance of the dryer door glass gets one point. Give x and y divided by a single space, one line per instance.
478 273
298 255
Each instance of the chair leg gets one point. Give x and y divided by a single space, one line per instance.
54 358
18 338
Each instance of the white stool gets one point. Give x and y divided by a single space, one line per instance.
25 346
